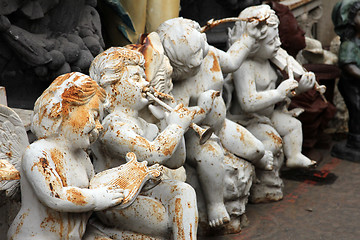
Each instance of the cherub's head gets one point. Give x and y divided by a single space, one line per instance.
71 105
120 71
158 70
268 22
184 45
354 20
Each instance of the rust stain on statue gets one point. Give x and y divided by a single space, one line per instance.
8 171
42 164
20 224
47 172
239 130
169 148
76 197
216 66
156 210
102 238
140 141
9 154
51 222
179 217
276 138
210 148
58 160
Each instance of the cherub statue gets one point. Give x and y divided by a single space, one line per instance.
169 210
197 69
260 97
56 169
346 19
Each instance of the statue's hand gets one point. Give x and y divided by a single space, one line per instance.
105 198
306 82
256 30
206 99
181 116
157 111
287 87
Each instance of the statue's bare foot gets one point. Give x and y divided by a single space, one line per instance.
217 215
300 161
266 162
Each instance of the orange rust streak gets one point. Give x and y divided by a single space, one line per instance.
76 197
58 160
276 138
179 217
191 233
47 172
210 148
21 223
216 65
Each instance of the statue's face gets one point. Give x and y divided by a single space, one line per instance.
82 126
270 45
129 90
357 21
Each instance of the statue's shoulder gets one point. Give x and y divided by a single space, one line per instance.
116 120
37 149
349 52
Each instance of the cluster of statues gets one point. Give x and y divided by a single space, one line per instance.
115 147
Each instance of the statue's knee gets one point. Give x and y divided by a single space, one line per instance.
184 189
295 124
258 150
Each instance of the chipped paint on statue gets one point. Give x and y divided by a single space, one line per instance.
169 209
56 170
8 171
197 73
257 94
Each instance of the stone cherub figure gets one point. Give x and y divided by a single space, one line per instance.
168 210
346 19
198 68
56 169
259 97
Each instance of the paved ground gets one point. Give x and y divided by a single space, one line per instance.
318 204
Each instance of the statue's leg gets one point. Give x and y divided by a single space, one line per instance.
208 161
270 186
146 216
290 130
239 141
349 149
168 209
179 198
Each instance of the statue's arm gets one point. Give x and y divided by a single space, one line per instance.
250 99
120 138
232 59
352 69
52 190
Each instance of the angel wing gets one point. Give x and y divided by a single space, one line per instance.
13 142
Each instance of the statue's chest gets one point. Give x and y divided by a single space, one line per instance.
265 79
73 172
